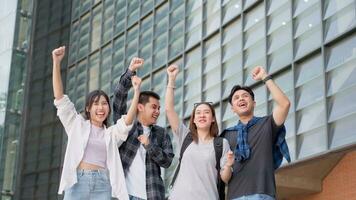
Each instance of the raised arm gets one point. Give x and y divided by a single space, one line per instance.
65 108
136 83
172 115
122 88
281 111
57 56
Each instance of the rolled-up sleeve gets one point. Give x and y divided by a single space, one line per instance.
120 130
66 112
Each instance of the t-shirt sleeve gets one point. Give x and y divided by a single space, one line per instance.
226 148
274 127
179 136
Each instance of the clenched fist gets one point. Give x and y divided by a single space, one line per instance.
172 71
136 63
258 73
58 54
136 82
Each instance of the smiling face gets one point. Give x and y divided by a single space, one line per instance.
203 117
148 112
242 103
98 110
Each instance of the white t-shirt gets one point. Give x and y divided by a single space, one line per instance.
197 177
136 175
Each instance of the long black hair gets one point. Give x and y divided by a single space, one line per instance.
91 98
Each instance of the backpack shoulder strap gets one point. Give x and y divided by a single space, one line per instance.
218 148
186 142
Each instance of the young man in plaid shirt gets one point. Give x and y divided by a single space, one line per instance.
148 147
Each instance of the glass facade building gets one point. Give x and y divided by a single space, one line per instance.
16 20
308 46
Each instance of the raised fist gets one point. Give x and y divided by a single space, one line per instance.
58 54
136 63
172 71
258 73
136 82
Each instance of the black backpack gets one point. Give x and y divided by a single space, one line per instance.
218 147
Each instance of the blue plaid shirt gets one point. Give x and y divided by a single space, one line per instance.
242 151
159 153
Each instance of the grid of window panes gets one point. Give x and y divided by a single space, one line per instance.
43 136
309 47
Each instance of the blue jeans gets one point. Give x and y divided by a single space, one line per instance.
92 184
256 197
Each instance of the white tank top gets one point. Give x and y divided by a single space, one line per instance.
95 151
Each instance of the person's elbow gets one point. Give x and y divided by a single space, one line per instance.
285 105
168 161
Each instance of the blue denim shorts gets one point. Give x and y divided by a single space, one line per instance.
91 184
256 197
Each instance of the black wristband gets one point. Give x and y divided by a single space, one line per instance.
268 77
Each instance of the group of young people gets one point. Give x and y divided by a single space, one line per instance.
124 160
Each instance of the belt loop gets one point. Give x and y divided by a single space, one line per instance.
80 172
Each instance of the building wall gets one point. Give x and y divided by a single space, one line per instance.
15 35
43 140
8 20
309 47
340 183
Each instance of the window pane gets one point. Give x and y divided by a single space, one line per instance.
120 16
300 6
146 6
342 104
176 16
212 18
312 142
341 78
108 20
343 132
94 72
96 28
308 30
231 8
341 21
310 92
311 117
341 52
176 39
133 12
308 70
254 17
232 74
229 118
193 65
84 36
253 56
